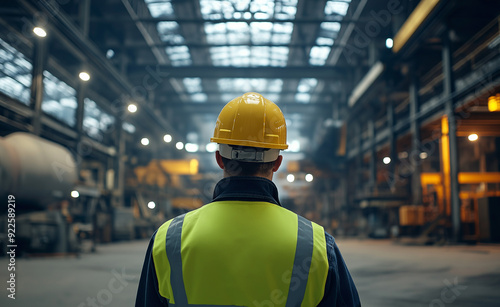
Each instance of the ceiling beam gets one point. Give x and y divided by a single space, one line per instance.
338 18
235 93
210 72
344 35
178 104
140 45
137 9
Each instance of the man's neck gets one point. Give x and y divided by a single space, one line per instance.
270 176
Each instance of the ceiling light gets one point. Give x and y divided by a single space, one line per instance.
389 43
75 194
167 138
84 76
290 178
211 147
190 147
145 141
151 205
473 137
494 103
423 155
309 177
179 145
39 31
386 160
110 53
132 108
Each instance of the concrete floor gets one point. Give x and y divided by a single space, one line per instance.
385 274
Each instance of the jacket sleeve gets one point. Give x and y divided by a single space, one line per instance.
147 293
340 289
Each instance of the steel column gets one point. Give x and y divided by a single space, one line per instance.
392 140
84 16
416 187
119 163
84 12
36 95
79 110
448 91
373 156
359 158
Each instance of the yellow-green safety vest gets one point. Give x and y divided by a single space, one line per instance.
241 253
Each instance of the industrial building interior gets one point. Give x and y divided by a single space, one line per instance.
393 116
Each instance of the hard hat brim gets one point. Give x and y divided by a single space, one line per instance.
248 143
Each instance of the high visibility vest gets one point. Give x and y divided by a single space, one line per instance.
241 253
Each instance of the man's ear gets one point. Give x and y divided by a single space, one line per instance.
218 158
277 163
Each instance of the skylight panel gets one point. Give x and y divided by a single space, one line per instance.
260 85
328 31
303 97
237 26
169 32
335 7
319 55
161 9
274 85
194 88
261 15
285 9
307 85
330 26
272 97
227 97
179 55
199 97
192 85
324 41
283 27
242 33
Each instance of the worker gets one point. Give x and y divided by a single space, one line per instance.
244 248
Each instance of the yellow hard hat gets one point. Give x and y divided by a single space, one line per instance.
251 120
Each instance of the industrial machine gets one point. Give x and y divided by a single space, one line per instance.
40 175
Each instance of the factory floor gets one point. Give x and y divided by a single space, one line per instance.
386 274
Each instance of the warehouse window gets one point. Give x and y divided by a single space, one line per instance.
15 73
96 122
59 99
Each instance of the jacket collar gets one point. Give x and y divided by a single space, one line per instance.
248 188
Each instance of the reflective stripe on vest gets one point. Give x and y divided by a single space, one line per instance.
238 253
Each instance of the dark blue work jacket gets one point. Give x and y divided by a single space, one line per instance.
339 290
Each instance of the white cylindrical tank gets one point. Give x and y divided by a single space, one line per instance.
36 171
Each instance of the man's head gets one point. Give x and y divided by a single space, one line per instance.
250 131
